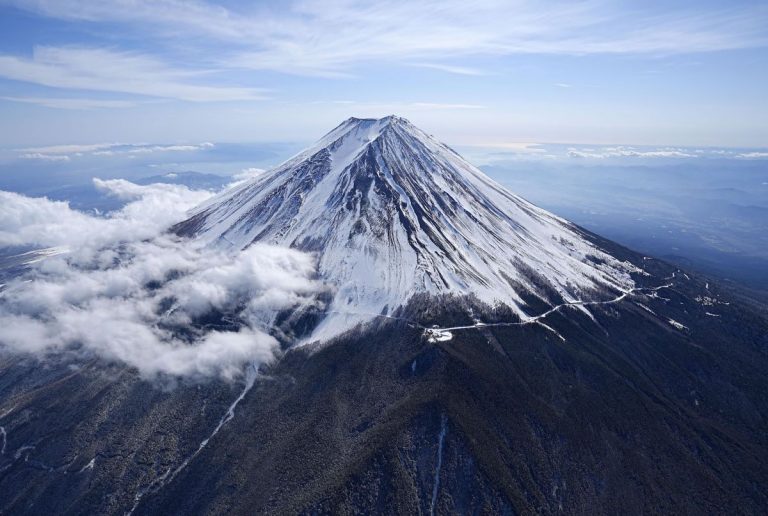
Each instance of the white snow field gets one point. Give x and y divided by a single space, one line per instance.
389 212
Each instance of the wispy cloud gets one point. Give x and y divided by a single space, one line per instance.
490 152
629 152
44 157
521 147
72 103
98 69
130 53
438 105
245 175
149 149
752 155
70 148
200 16
457 70
383 107
328 38
66 152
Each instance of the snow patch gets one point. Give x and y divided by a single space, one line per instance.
88 466
677 325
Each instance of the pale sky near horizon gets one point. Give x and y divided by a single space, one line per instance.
474 73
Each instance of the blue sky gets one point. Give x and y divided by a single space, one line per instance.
491 73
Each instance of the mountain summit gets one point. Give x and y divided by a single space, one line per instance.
391 212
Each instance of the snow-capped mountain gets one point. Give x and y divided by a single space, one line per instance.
390 211
627 386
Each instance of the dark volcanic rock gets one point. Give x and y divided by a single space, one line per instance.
628 415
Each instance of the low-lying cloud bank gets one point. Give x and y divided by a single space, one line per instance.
129 292
67 152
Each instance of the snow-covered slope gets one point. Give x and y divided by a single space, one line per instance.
390 212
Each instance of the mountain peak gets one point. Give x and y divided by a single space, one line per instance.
372 126
362 130
386 120
390 212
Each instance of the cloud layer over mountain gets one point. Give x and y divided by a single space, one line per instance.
125 290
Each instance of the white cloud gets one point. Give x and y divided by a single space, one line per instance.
196 15
65 152
753 155
249 173
493 152
628 152
327 38
443 105
714 152
169 148
70 148
38 221
458 70
72 103
516 147
44 157
377 108
127 291
245 175
98 69
489 153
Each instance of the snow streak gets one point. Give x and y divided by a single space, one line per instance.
167 477
438 467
